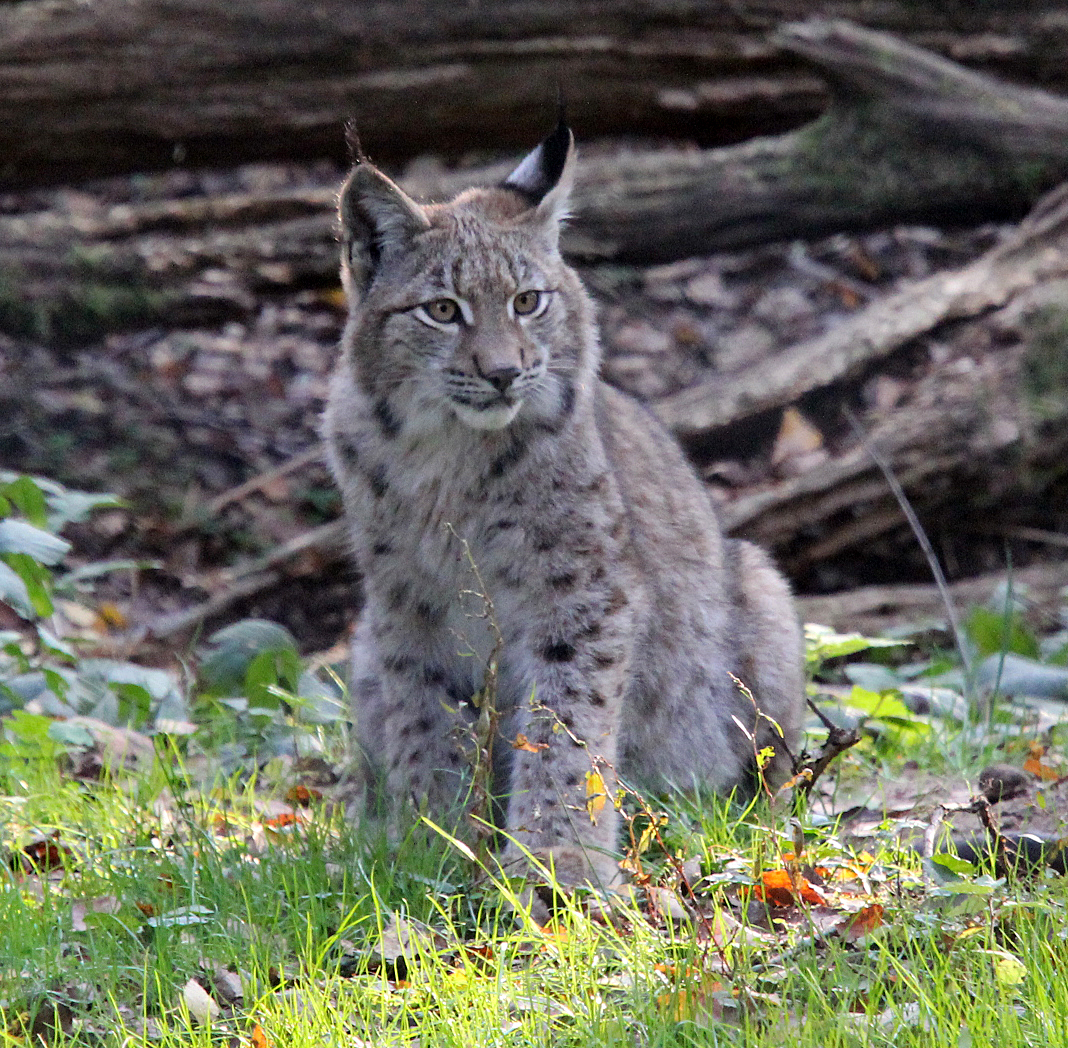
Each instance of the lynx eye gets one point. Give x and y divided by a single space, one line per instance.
527 303
442 311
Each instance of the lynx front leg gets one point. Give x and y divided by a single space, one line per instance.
409 723
563 782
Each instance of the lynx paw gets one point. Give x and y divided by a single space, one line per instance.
549 872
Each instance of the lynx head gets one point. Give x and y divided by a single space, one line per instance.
466 310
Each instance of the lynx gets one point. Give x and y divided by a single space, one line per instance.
466 423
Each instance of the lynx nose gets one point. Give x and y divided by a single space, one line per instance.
501 378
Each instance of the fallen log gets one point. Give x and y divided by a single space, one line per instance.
909 137
874 609
120 85
1034 254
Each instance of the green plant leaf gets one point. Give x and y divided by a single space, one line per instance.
1000 631
37 580
30 500
18 536
954 864
233 649
14 592
71 734
823 643
881 704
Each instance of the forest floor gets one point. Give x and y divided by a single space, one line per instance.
210 432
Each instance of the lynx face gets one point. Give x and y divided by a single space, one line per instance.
460 305
483 353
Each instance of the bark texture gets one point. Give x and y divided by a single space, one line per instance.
909 137
121 85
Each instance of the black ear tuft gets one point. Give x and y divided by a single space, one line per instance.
352 140
541 169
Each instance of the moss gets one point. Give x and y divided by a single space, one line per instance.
80 312
1044 369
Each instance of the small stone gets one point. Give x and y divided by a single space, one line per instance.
1002 782
743 346
708 289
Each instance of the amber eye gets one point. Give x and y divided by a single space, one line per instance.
526 303
442 310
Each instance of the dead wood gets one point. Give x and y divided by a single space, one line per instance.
964 419
909 136
967 420
325 543
874 609
122 85
837 742
1036 252
963 425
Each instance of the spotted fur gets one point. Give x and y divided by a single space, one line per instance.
467 405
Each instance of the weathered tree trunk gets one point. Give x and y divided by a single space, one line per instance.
909 137
117 85
874 609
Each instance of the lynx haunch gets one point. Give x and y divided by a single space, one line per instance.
467 405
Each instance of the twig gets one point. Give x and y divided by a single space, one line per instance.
925 544
262 480
838 741
256 577
1010 531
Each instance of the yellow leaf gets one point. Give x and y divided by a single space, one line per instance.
596 794
646 839
1009 970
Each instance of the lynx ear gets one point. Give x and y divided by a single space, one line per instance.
545 175
377 216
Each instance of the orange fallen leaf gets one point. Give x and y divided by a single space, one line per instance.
303 795
861 923
259 1038
276 822
1040 770
521 742
778 888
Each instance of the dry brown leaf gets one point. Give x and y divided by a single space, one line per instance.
200 1003
102 904
798 444
861 923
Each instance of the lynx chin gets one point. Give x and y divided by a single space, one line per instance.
467 405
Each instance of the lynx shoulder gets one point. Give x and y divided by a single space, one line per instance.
466 416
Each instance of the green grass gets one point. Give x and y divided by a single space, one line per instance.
306 918
181 902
